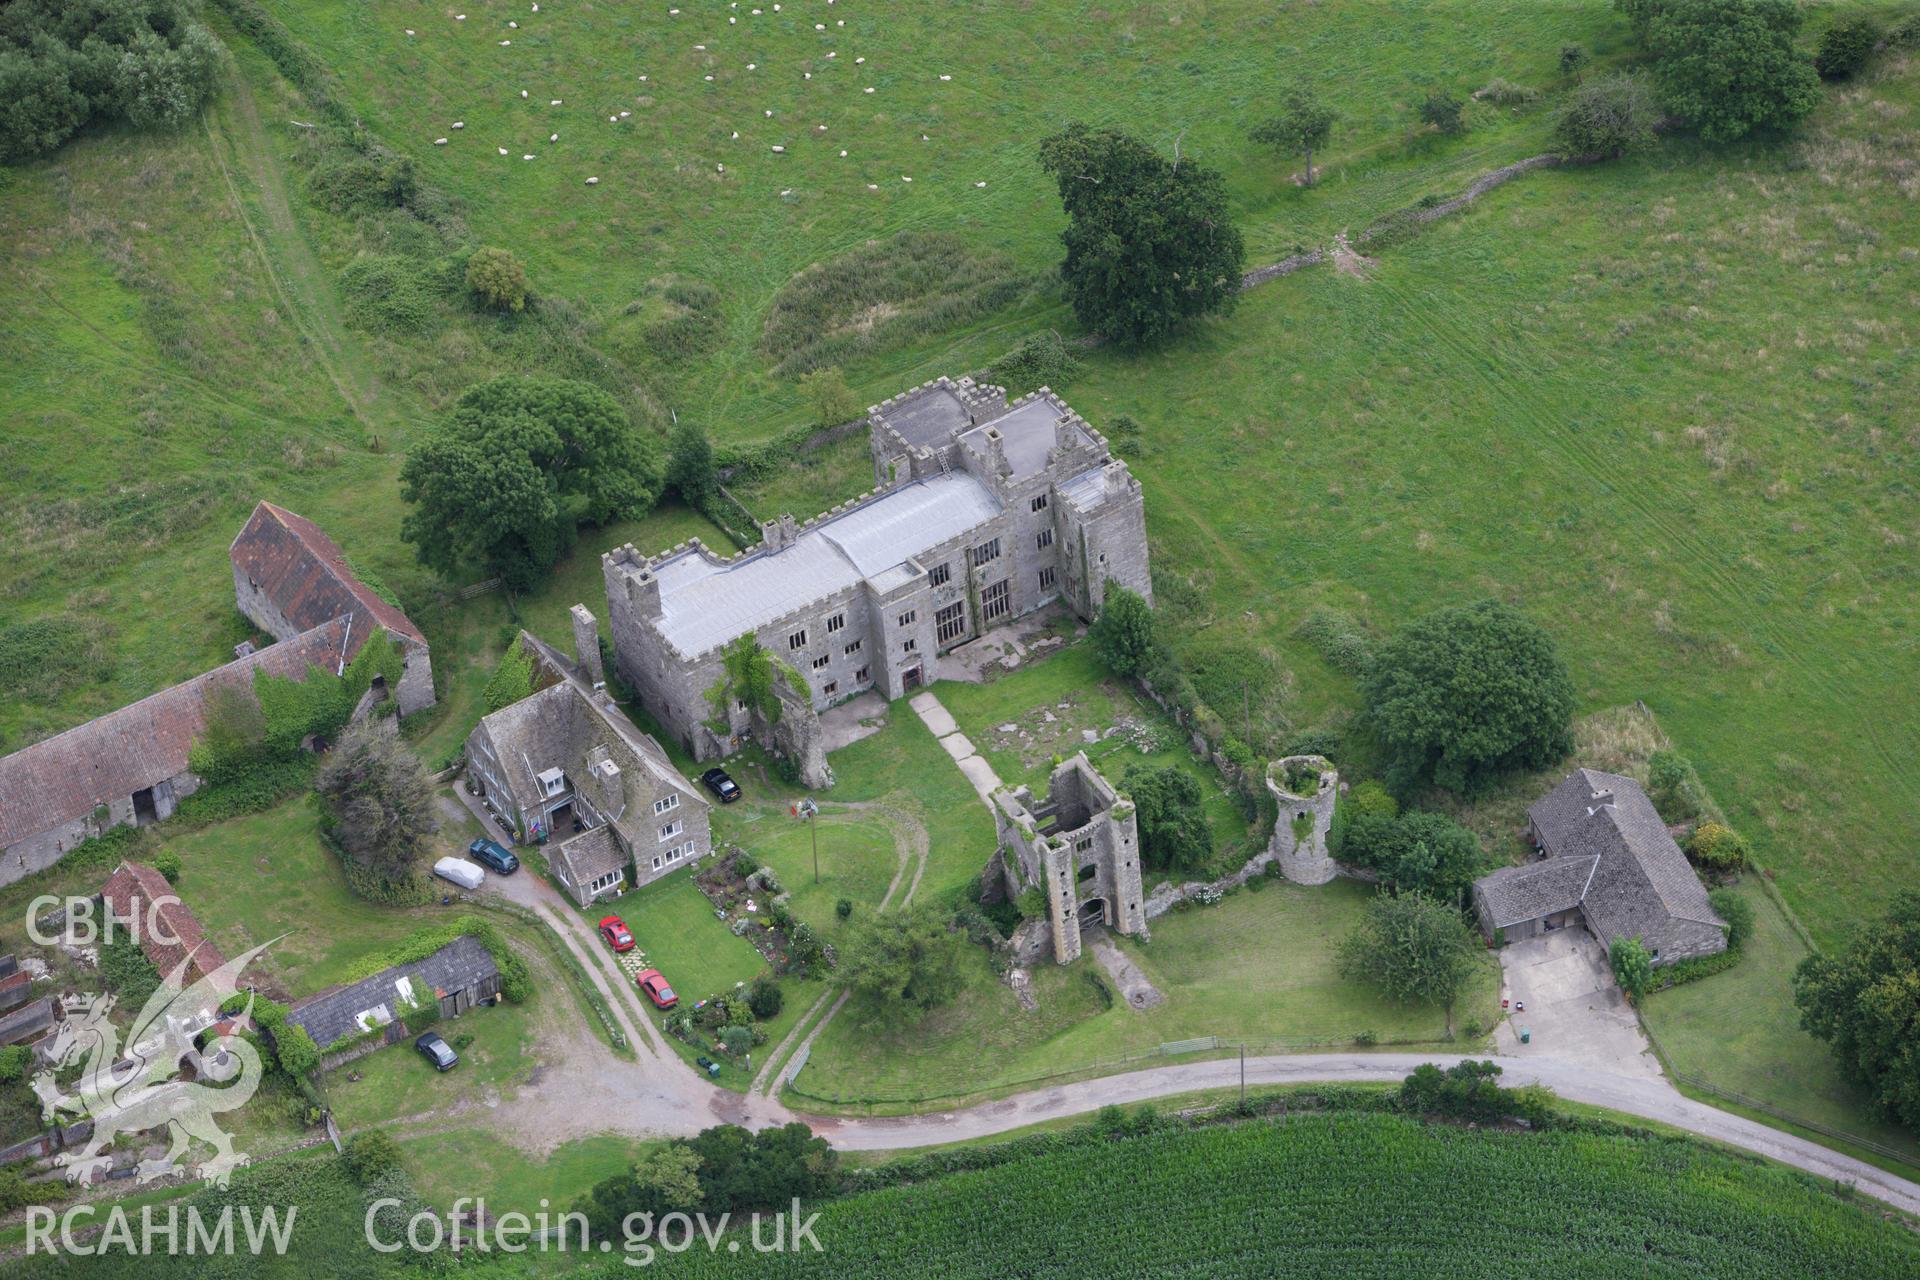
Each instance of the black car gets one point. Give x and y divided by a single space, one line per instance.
437 1051
493 857
721 785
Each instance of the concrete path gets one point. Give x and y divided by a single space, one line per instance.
1573 1007
938 719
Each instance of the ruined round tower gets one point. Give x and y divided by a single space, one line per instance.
1305 788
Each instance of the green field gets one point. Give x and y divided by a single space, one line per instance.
1349 1195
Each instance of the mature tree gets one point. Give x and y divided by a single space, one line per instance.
690 468
1412 948
740 1169
64 63
905 959
1845 46
1728 67
1573 60
663 1181
1865 1003
832 399
1607 117
1466 694
1431 853
380 801
1362 819
1150 242
1122 633
749 675
1171 811
1444 111
497 279
1302 125
1632 967
504 484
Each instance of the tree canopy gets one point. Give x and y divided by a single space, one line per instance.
1122 633
1607 117
1728 67
1412 948
1466 694
1169 807
690 468
65 63
504 483
379 801
1301 124
1632 967
1864 1002
1150 244
904 959
1417 850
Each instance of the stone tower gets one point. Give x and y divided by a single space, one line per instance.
1081 848
1306 789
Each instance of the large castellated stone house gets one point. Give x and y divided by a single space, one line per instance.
982 511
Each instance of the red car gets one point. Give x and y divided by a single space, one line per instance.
655 985
615 931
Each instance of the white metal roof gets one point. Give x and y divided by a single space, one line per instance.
704 605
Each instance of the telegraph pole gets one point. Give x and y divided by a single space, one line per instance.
1243 1075
808 809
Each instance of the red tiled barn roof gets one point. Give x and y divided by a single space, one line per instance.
172 933
68 775
305 573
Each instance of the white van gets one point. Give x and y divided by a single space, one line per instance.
461 872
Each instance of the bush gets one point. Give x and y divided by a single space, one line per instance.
355 184
843 908
371 1156
1905 33
1506 93
14 1061
1607 117
1042 360
1122 634
167 863
1443 111
832 399
765 998
1845 47
1174 835
1717 847
496 278
1737 912
387 293
1338 638
1673 786
1632 967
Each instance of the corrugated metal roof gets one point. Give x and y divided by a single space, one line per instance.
705 605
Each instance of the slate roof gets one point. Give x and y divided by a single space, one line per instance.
131 891
588 856
561 726
66 776
1538 889
1602 829
927 417
704 605
28 1022
306 574
372 1002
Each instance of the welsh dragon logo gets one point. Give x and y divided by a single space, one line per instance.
149 1086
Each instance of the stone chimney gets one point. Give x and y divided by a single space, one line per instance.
643 591
779 534
997 453
586 644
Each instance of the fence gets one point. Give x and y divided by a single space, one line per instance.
1768 1109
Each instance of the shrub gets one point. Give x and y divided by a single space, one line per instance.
295 1050
743 864
167 863
1729 67
1717 847
1042 360
832 399
1607 117
1673 786
1905 33
1122 634
496 278
1845 46
1174 835
1632 967
1443 111
843 908
1574 59
1506 93
14 1061
1338 638
1737 912
371 1156
387 293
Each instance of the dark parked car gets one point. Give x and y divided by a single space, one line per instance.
437 1051
722 785
492 856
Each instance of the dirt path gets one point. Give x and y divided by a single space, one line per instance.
257 188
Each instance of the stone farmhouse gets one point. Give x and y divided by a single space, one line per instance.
129 767
567 766
289 576
1608 862
1081 847
342 1019
983 511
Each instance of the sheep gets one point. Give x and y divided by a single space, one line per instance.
593 182
554 103
868 89
439 142
523 93
946 77
513 26
503 151
529 156
979 184
750 66
859 60
459 124
736 135
553 137
409 30
779 151
843 155
505 43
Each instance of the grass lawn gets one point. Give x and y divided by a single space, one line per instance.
267 874
858 859
1733 1031
1053 702
397 1081
477 1162
1257 967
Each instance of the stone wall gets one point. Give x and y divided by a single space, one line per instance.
37 852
